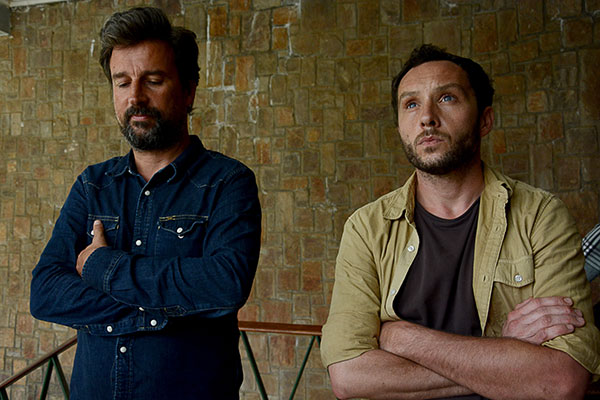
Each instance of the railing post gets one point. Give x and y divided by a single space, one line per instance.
299 376
47 378
257 377
61 376
3 394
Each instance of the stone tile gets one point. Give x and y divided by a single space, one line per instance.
311 276
485 34
563 8
443 34
218 21
531 16
589 82
578 32
415 10
317 15
256 31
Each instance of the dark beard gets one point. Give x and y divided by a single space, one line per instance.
163 135
460 154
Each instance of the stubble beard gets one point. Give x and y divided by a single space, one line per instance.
461 153
160 134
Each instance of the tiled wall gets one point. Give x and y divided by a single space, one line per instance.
300 91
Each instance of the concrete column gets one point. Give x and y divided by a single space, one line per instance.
4 19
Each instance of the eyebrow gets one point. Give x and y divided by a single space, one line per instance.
438 89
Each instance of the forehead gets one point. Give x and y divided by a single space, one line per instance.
433 74
152 55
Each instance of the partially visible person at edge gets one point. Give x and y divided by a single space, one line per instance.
153 253
463 283
591 252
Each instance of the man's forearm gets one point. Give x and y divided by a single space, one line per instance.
378 374
493 367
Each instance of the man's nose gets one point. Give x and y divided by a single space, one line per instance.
429 117
137 95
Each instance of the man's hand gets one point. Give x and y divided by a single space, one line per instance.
537 320
98 241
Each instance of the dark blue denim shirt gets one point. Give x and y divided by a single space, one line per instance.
156 310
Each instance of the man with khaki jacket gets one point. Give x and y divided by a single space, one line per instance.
463 283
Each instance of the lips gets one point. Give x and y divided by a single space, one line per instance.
139 117
141 114
430 140
430 137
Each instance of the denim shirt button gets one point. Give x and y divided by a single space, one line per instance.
109 329
147 193
179 230
153 322
138 242
123 349
141 309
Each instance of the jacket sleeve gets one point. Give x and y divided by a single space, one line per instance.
58 294
354 322
214 284
558 262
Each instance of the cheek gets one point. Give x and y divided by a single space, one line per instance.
119 110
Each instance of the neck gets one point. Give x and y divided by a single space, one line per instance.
150 162
449 196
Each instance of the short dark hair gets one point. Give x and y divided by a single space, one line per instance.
478 78
128 28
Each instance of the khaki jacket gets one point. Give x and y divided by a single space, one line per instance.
527 245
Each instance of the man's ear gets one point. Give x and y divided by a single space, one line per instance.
190 95
486 121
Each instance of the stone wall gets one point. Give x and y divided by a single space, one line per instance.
298 90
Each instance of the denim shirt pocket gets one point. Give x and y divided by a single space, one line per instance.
111 227
182 234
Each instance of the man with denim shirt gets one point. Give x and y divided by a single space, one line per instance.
153 253
463 283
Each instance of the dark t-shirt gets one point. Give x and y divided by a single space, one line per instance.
438 289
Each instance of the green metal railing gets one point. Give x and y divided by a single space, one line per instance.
314 331
52 362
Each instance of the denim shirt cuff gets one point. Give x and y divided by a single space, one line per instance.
99 266
141 321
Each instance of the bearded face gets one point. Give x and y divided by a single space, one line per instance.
461 150
438 120
151 105
151 133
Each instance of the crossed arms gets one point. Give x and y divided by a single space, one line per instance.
369 357
415 362
116 283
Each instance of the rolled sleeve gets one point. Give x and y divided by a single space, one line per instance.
559 272
354 320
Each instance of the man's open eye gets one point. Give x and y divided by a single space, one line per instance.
447 97
410 104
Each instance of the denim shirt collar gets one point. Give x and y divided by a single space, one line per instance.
191 154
